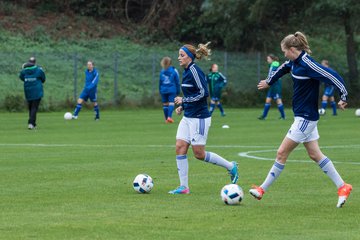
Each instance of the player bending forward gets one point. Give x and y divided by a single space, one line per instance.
306 75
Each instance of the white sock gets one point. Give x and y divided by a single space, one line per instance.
273 174
217 160
328 168
183 169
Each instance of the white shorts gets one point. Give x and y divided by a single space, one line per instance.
194 130
303 130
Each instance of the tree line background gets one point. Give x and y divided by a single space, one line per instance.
231 25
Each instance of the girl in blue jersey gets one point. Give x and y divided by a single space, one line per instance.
194 126
306 75
328 93
89 91
275 90
169 87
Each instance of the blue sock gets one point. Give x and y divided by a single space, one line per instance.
281 110
212 108
333 106
266 109
324 104
166 111
170 110
221 108
77 109
97 112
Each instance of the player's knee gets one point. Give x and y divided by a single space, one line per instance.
180 147
199 154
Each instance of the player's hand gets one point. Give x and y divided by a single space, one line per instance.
178 100
179 110
262 85
342 104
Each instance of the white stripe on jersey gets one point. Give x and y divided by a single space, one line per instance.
97 74
274 72
325 74
299 77
186 85
198 83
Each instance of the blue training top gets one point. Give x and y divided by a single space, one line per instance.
194 88
169 81
91 80
306 75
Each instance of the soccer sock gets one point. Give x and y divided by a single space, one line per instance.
281 110
97 112
170 110
77 109
221 108
266 109
273 174
328 168
212 108
183 169
166 111
324 104
217 160
333 106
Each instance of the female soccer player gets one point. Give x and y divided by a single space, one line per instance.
275 90
169 87
89 91
328 93
216 82
194 126
306 75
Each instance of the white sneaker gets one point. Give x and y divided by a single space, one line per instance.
74 117
31 127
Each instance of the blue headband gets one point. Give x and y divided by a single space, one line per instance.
185 49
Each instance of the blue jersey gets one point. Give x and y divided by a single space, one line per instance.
169 81
91 80
194 88
306 75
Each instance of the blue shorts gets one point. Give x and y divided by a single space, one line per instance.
168 97
274 95
215 99
85 95
329 91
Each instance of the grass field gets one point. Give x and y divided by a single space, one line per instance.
73 179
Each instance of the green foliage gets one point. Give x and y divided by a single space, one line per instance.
73 179
14 103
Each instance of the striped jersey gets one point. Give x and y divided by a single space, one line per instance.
195 91
306 75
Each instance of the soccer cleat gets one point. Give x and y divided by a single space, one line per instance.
180 190
343 193
97 119
257 192
169 120
223 114
261 117
281 118
234 174
74 117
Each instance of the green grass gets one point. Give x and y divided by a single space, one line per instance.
73 179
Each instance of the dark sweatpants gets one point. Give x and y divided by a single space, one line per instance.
33 108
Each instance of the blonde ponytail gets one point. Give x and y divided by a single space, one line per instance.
297 40
203 50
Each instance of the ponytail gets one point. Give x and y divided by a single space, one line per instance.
203 51
297 40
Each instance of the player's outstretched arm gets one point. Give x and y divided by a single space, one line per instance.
263 85
179 110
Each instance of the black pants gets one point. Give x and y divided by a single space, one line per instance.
33 108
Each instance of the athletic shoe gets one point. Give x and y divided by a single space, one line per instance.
257 192
31 127
223 114
234 174
169 120
343 193
281 118
74 117
261 117
180 190
97 119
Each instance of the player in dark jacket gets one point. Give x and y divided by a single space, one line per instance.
217 81
33 77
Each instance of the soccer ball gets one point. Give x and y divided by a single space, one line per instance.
322 111
357 112
232 194
143 183
67 116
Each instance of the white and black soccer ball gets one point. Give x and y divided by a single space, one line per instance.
68 116
143 183
232 194
357 112
322 111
